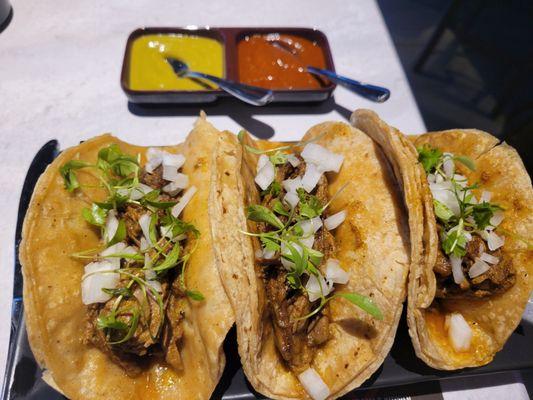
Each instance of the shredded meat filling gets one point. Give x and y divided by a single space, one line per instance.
296 337
498 279
158 331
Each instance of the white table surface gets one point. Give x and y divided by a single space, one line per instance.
60 63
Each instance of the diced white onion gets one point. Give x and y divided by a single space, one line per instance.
96 278
173 188
180 205
468 236
323 158
151 279
457 270
111 226
138 191
335 220
311 177
166 231
489 258
478 268
310 226
144 222
313 384
448 166
459 332
335 273
115 249
291 185
170 173
144 244
155 158
308 241
494 241
444 193
173 160
317 287
268 254
295 161
265 176
485 196
263 159
292 199
439 178
496 220
431 178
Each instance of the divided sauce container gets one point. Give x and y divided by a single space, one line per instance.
271 57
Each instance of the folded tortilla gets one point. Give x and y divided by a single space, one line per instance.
500 171
55 315
372 244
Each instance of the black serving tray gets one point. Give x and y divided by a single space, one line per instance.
23 380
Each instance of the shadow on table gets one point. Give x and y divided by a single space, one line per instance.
242 114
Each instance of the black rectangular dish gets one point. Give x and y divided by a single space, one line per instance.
23 376
229 38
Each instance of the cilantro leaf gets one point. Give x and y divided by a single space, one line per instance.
278 158
482 213
120 234
454 242
442 211
466 161
110 322
112 158
122 291
69 176
274 189
270 242
95 216
310 205
260 213
170 261
195 295
152 199
429 157
279 208
363 302
178 226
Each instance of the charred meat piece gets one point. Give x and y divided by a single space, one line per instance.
130 363
318 331
498 279
442 267
289 332
154 180
296 337
131 216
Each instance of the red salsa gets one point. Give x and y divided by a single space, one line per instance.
278 61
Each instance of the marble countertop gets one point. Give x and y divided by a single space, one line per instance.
60 63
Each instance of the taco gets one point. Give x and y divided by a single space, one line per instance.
470 205
121 292
315 258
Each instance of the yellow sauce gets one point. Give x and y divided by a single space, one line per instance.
480 351
150 71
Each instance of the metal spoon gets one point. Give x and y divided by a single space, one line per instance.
249 94
371 92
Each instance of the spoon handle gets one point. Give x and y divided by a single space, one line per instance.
371 92
249 94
